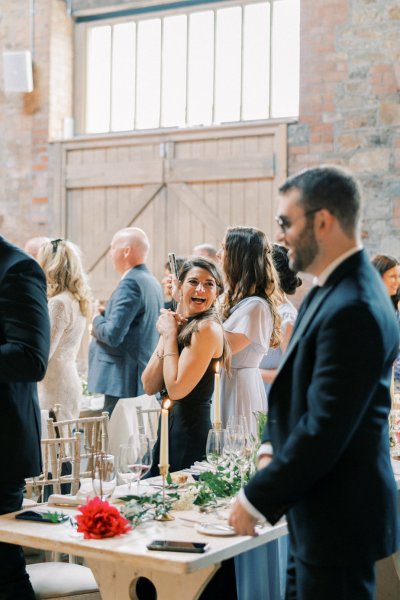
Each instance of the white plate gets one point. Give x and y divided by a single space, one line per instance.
215 529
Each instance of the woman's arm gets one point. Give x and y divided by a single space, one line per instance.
237 341
152 376
182 373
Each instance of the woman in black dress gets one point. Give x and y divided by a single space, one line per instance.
191 341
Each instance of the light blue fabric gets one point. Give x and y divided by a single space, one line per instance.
125 337
261 573
271 360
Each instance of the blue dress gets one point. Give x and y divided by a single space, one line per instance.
261 573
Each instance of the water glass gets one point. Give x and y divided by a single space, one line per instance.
104 477
215 446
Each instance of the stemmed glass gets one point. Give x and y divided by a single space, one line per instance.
215 446
104 477
240 442
134 460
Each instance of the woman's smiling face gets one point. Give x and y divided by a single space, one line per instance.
199 291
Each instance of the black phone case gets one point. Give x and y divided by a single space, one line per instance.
33 515
187 550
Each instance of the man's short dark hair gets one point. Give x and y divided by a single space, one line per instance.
332 188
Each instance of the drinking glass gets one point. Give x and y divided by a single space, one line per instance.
215 446
135 459
235 421
104 477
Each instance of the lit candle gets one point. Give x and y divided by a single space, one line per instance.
164 435
217 403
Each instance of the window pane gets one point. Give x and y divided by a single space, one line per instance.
256 61
123 77
148 74
228 65
174 71
98 80
201 68
285 58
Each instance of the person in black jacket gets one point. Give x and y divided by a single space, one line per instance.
24 348
329 467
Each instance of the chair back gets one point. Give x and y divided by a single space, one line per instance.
148 421
94 437
58 454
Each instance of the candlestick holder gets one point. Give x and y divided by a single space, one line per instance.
217 425
165 515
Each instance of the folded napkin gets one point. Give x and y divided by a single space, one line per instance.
85 491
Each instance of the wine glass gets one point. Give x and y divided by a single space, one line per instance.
235 421
134 460
104 477
215 446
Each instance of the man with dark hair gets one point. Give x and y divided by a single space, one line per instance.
328 465
24 349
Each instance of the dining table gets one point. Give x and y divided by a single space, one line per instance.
118 562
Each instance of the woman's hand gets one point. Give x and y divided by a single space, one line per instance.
167 323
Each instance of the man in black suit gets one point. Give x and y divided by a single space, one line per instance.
24 348
328 465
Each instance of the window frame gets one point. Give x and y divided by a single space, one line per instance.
151 9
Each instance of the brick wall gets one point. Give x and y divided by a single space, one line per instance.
29 121
349 108
349 104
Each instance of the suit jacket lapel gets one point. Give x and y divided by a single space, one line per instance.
304 322
305 319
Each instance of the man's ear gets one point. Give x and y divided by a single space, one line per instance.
324 220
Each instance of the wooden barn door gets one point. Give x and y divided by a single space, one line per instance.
182 188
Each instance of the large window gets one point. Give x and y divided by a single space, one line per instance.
228 62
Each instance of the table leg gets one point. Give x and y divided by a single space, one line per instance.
118 581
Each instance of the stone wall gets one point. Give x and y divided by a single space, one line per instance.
29 121
349 104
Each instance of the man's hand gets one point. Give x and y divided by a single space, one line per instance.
242 521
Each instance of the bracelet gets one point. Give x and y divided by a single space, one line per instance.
162 356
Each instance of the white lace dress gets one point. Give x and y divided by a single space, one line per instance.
62 384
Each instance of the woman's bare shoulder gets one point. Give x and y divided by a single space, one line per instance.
210 326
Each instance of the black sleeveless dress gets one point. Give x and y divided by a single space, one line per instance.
189 424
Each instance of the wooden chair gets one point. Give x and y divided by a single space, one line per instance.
56 580
56 454
94 436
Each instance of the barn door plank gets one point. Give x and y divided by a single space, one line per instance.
195 204
145 196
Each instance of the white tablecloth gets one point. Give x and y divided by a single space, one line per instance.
124 422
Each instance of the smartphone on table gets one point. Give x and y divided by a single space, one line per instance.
177 546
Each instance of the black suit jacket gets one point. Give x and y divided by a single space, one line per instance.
24 348
328 423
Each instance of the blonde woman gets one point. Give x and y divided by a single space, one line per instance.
69 301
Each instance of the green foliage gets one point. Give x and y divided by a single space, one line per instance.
220 484
149 506
261 418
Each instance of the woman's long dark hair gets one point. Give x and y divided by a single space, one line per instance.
192 326
383 263
249 271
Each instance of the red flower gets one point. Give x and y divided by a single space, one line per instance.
101 520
